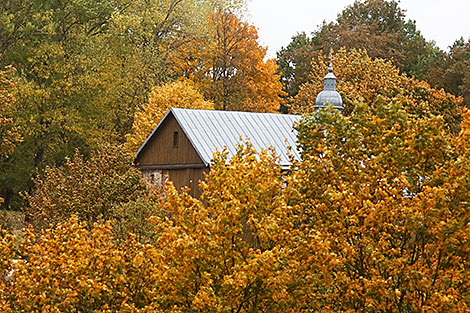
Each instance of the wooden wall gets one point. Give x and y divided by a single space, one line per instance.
161 156
188 177
160 150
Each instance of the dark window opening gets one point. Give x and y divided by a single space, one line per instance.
175 139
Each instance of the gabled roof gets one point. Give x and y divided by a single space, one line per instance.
211 130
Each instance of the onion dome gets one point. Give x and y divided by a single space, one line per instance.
329 95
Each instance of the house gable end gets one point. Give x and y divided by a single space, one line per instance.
168 144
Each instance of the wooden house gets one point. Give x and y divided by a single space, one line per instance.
181 147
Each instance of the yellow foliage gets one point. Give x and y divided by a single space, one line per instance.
375 218
182 93
386 190
364 79
9 133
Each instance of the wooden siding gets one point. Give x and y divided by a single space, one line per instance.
160 150
188 178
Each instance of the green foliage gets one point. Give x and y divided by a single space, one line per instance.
294 62
84 67
9 132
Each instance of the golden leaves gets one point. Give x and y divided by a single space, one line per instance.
378 186
375 218
182 93
363 79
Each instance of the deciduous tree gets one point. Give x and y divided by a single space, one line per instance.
230 68
74 268
9 132
182 93
225 255
378 188
362 78
95 190
451 71
374 218
84 67
378 26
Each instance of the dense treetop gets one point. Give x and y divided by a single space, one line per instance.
381 28
363 78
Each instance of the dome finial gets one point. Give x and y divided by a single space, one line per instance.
330 68
329 95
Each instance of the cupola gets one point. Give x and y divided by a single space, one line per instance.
329 95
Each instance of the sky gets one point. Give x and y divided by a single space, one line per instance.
277 21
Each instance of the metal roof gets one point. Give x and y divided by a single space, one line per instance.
211 130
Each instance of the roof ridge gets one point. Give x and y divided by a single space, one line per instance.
229 111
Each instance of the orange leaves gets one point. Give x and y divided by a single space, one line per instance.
381 186
72 269
375 218
229 66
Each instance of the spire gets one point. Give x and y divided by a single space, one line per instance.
329 93
330 68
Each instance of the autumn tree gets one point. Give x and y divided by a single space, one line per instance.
227 251
379 26
85 66
99 189
9 132
74 268
374 218
229 67
221 256
182 93
362 78
379 190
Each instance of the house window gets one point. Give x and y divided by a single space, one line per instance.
175 140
